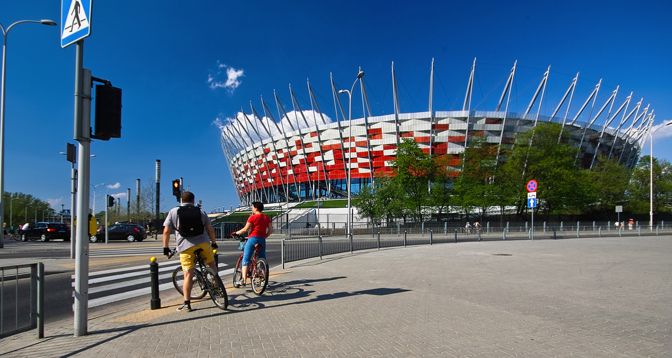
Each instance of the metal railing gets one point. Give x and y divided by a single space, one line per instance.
300 248
22 286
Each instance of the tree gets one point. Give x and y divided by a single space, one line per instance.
414 171
608 181
638 189
23 208
474 188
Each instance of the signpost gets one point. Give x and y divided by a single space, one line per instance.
75 26
619 210
531 187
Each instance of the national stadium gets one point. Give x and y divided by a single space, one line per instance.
304 155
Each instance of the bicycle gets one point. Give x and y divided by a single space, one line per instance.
257 269
205 280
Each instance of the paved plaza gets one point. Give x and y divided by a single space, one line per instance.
602 297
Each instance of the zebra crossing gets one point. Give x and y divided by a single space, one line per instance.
112 285
130 251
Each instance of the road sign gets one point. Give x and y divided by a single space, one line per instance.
532 203
532 195
75 21
619 208
531 185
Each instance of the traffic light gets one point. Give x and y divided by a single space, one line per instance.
177 192
108 112
110 201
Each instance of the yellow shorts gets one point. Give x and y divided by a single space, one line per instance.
188 257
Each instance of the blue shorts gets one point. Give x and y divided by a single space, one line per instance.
248 250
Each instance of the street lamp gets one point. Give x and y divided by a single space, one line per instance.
651 131
360 74
94 197
5 32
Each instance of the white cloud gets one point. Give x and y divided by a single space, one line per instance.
121 195
116 185
226 77
662 131
55 203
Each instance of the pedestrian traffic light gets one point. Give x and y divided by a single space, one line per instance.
177 192
108 112
110 201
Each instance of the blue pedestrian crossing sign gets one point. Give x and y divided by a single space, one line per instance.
75 21
532 203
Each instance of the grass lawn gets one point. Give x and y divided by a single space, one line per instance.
329 204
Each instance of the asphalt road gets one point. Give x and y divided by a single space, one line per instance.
58 285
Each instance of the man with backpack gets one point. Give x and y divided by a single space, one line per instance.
192 230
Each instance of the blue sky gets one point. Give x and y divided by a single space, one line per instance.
161 53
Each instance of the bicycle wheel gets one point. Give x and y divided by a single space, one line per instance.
260 276
237 273
215 287
197 289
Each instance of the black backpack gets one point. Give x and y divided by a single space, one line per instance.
189 221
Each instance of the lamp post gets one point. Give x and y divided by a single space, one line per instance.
5 32
360 74
94 197
665 124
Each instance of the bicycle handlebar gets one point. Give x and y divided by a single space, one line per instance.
172 253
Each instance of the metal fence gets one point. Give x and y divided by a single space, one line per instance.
305 247
22 299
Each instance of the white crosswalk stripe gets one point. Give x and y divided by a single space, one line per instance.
112 285
139 251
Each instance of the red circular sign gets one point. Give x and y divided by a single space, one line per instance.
531 185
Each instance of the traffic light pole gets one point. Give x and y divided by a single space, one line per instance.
82 129
107 205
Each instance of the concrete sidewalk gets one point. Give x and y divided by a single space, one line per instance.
604 297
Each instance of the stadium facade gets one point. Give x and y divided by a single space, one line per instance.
305 155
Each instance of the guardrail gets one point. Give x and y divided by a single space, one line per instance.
22 280
301 248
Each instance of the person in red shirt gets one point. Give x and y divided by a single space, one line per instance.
258 227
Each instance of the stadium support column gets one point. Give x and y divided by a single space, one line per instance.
275 151
290 162
339 106
265 160
367 114
395 102
283 114
620 109
431 118
157 180
242 176
315 106
507 93
624 119
592 97
540 89
631 128
252 192
569 92
297 108
609 101
229 162
466 106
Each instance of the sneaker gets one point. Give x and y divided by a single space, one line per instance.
240 283
185 307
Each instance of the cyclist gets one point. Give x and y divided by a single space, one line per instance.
258 227
192 230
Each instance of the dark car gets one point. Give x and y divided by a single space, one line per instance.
122 231
45 231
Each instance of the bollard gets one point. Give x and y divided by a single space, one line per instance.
608 225
398 229
504 234
319 239
155 302
487 227
561 228
405 233
214 252
544 226
577 231
351 247
656 230
507 226
479 235
378 237
445 228
593 225
639 231
282 253
620 231
40 300
431 234
578 225
423 228
529 234
599 231
526 228
455 235
555 236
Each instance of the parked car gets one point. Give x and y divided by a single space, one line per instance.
122 231
45 231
